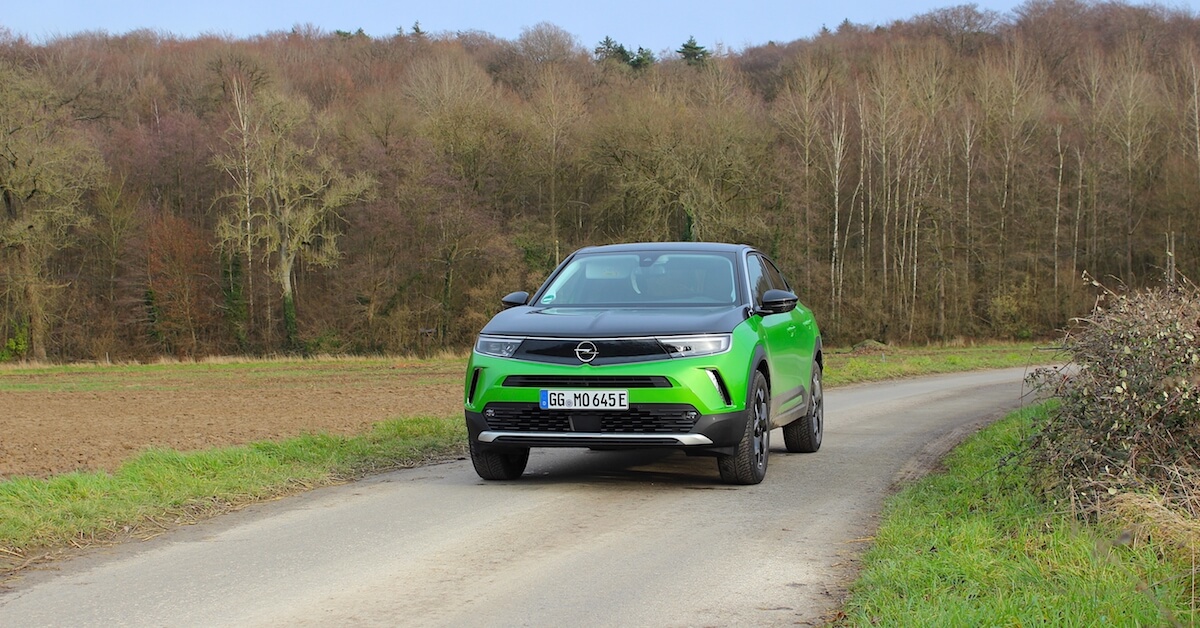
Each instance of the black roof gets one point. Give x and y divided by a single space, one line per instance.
711 247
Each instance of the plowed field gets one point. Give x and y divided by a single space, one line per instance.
57 420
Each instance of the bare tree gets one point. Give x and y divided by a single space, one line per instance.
557 108
797 111
46 166
1191 74
1131 123
295 192
238 230
547 44
457 101
1011 93
835 166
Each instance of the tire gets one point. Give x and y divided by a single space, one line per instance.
499 464
748 464
804 434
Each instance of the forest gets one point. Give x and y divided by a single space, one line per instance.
959 175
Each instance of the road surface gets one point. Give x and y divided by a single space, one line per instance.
583 539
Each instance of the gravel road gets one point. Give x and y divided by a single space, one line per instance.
584 539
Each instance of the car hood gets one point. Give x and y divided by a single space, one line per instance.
577 322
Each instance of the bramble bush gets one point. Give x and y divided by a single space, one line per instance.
1129 419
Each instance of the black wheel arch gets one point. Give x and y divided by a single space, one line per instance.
761 365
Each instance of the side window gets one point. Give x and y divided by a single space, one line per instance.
776 277
759 282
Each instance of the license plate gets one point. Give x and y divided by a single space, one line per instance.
585 400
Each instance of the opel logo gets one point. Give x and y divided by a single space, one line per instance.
586 351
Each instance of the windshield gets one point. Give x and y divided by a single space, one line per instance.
644 279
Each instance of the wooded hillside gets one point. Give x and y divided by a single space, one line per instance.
952 175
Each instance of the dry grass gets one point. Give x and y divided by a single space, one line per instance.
443 355
1152 519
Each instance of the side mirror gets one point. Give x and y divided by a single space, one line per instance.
515 299
778 302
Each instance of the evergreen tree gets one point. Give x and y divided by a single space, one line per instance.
693 53
643 59
610 49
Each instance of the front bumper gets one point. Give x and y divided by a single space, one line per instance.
716 432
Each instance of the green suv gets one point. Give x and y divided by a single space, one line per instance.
694 346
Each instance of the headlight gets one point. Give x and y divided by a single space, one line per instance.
692 346
497 346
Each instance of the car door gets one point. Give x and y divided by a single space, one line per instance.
802 348
789 379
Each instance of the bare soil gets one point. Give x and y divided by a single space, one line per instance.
95 419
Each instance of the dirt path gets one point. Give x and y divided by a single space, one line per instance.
58 422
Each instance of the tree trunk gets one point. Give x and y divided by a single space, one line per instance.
35 304
1058 190
291 339
1078 215
37 323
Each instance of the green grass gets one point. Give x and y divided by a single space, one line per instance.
978 546
848 367
160 484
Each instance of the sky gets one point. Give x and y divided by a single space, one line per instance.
653 24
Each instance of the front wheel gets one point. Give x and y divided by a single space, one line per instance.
499 464
804 434
748 464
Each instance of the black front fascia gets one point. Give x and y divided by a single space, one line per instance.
587 381
610 351
615 323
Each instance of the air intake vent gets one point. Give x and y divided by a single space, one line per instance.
719 384
474 385
586 381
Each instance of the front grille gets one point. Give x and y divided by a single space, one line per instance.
586 381
608 351
645 418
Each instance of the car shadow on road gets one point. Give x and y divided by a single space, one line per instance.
651 467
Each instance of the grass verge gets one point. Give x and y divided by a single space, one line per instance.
210 372
161 487
885 362
979 546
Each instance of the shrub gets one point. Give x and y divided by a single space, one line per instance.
17 346
1129 418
